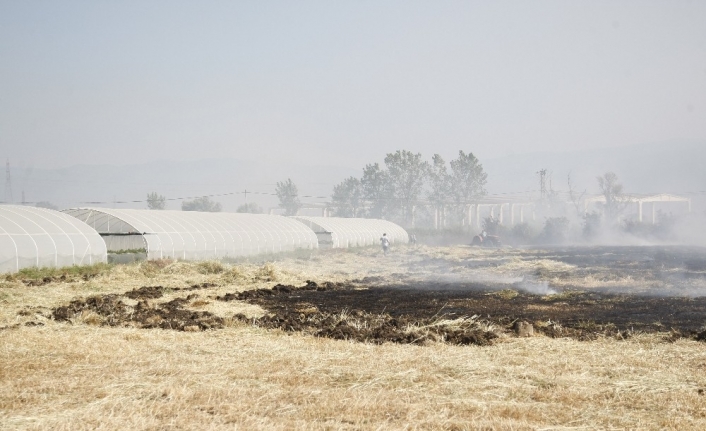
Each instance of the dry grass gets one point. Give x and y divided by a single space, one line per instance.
83 376
538 266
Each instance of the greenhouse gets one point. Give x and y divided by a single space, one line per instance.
40 237
337 232
193 235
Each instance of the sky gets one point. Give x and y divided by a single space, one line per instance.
343 83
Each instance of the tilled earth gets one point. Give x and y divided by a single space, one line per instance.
409 311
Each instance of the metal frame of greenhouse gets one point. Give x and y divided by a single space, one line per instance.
40 237
339 232
192 235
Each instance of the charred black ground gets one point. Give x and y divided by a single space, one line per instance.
409 311
573 309
581 315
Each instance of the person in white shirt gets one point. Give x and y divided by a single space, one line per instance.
385 242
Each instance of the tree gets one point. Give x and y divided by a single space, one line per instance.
467 178
439 182
522 233
467 181
250 207
439 192
204 204
45 204
591 224
348 197
491 225
554 230
156 201
612 191
375 187
288 197
575 197
406 173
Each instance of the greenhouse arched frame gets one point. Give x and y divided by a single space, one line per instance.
41 237
354 232
193 235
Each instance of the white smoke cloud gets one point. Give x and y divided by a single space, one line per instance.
536 287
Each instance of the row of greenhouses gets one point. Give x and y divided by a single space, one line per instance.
39 237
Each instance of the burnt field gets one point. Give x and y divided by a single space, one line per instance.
466 298
425 338
582 315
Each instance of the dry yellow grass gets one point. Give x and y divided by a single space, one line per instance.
81 376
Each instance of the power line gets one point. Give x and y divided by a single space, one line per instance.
246 192
8 196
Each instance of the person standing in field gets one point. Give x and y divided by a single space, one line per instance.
385 242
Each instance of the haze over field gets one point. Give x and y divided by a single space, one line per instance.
495 293
338 85
660 168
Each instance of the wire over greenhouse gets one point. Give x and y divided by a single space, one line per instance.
193 235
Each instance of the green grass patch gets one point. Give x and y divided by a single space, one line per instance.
129 251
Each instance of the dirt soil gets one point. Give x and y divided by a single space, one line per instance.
370 309
111 310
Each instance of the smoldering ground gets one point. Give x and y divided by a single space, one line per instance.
455 295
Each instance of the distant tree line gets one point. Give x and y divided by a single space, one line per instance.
393 190
155 201
406 181
204 204
406 186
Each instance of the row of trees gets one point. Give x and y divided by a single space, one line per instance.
155 201
405 181
392 190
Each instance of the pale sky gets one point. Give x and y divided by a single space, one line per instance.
343 83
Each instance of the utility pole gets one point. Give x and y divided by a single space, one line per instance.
8 183
542 183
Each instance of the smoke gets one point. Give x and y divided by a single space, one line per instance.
525 283
643 270
444 279
688 229
536 287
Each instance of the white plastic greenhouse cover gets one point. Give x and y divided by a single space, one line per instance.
193 235
38 237
356 232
